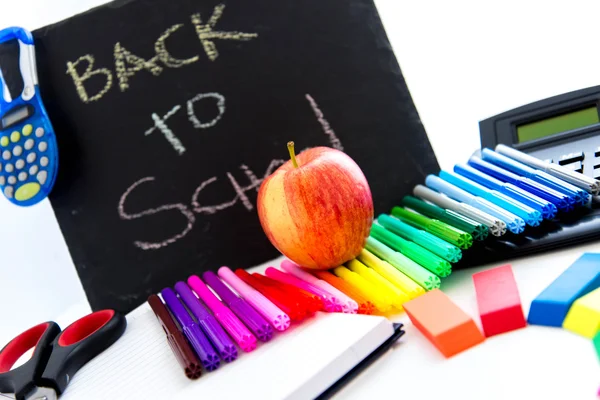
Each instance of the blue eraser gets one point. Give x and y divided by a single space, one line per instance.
550 307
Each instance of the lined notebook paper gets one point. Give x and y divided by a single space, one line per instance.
297 364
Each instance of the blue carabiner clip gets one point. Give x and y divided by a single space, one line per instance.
28 149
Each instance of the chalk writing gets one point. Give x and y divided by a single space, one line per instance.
127 64
163 54
190 109
79 79
167 132
333 139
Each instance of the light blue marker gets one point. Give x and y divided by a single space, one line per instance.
513 223
547 209
532 217
579 195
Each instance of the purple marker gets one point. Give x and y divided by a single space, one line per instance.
249 316
208 356
207 323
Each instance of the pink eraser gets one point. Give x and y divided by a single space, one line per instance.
498 300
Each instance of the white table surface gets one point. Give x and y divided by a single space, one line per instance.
463 61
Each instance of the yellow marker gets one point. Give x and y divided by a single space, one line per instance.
584 315
15 136
27 129
397 278
396 296
367 289
4 141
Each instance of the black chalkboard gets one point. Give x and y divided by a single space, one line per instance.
169 113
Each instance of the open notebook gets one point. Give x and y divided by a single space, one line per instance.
300 363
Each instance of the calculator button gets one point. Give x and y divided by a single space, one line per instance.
22 176
15 136
4 141
44 161
27 129
39 132
28 144
26 191
42 146
2 180
6 155
42 176
12 179
571 158
8 168
8 192
31 157
20 164
0 167
17 150
33 170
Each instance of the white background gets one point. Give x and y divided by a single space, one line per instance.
463 61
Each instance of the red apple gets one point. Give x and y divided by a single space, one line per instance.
317 209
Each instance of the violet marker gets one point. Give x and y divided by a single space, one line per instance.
248 315
208 356
272 313
236 329
209 325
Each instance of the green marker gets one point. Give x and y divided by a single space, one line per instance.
418 254
414 271
438 228
472 227
432 243
596 343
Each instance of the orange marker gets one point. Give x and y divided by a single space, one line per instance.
448 327
364 305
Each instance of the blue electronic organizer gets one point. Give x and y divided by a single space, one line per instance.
28 149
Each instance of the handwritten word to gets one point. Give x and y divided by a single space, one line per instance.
128 64
196 206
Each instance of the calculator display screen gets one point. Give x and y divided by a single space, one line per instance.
15 116
560 123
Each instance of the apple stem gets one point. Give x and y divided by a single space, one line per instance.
290 147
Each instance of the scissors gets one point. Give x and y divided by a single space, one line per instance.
57 355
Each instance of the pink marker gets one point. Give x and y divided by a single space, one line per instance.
272 313
349 306
330 302
238 331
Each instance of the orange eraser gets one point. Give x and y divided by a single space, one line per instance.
448 327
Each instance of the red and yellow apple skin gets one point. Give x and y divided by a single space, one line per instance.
318 214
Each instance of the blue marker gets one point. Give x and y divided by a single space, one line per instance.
560 200
547 209
532 217
580 196
513 223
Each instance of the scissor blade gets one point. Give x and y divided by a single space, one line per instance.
42 393
8 395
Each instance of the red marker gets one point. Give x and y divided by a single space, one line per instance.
312 302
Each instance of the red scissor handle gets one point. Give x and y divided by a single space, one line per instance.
21 380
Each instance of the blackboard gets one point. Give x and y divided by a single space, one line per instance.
169 113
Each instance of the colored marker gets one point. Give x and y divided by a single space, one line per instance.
560 200
438 228
496 226
330 301
277 318
513 223
427 259
248 315
580 180
311 301
579 195
368 290
209 325
396 296
208 356
364 305
530 216
349 306
417 273
476 229
236 329
447 251
393 275
547 208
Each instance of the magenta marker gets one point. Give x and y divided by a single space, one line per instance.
330 303
272 313
349 306
242 336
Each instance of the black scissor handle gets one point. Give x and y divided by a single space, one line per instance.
22 379
81 341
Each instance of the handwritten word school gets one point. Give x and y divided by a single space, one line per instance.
128 64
